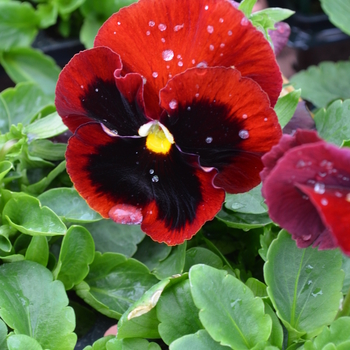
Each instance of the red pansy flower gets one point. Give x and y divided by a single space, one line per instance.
170 109
306 184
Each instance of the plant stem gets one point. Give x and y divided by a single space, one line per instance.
345 310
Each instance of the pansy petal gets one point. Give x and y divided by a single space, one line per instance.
121 179
333 206
186 34
225 119
87 90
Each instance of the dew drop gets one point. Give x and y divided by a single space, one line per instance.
222 45
144 80
151 23
82 86
244 21
206 7
202 64
221 20
148 32
179 57
324 201
266 119
162 40
211 47
154 74
210 29
173 104
338 194
244 116
178 27
96 90
114 33
188 108
193 61
306 238
162 27
300 164
209 140
197 94
180 64
229 32
347 197
168 55
151 171
118 23
319 188
155 178
243 134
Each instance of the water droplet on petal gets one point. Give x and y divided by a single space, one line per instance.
144 80
300 164
178 27
210 29
162 40
118 23
222 45
173 104
209 140
197 94
162 27
155 178
221 20
244 116
148 32
151 171
347 197
202 64
306 238
244 21
229 32
338 194
154 74
114 33
319 188
265 119
211 47
96 90
188 108
206 7
193 61
168 55
151 24
180 64
324 201
243 134
82 86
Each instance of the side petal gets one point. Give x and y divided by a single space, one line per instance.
225 119
170 194
162 38
87 90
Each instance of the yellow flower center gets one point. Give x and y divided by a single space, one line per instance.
159 139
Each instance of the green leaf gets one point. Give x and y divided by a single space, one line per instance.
337 334
131 344
151 253
304 285
25 213
35 305
115 238
276 337
257 287
140 320
333 123
337 11
45 128
324 83
199 255
47 15
3 335
48 150
38 250
5 167
173 264
177 313
198 341
65 7
22 341
29 65
274 13
246 6
286 106
5 232
88 31
77 253
18 24
346 268
68 205
21 104
250 202
228 309
100 344
114 283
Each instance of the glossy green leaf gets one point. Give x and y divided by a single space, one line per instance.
286 106
250 202
38 250
88 31
131 344
337 334
35 305
100 344
276 336
77 253
140 320
177 313
47 14
275 13
65 7
257 287
173 264
304 285
21 104
5 167
46 127
47 150
115 238
338 11
200 255
246 6
68 205
3 335
333 122
6 232
25 213
114 283
228 309
29 65
22 341
324 83
18 24
151 253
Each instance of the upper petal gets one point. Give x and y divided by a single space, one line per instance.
161 38
225 119
90 88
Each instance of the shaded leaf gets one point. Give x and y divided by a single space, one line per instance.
22 341
88 31
276 336
35 305
100 344
228 309
131 344
5 167
307 292
38 250
3 335
324 83
338 11
286 106
199 255
47 150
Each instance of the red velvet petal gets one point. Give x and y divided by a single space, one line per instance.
161 38
89 88
319 166
333 206
225 119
